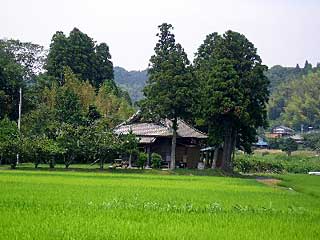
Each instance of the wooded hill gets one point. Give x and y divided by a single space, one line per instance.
131 81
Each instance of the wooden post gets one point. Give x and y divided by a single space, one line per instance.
149 156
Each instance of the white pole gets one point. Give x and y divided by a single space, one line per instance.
20 103
19 119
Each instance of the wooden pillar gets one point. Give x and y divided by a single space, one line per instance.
149 155
215 157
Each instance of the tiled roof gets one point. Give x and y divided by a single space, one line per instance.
163 129
144 129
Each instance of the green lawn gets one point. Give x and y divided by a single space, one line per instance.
93 205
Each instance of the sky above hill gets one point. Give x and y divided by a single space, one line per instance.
285 32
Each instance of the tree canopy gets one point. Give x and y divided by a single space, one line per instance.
169 90
88 60
234 91
297 103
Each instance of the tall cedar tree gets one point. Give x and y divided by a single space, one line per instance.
169 90
79 52
234 91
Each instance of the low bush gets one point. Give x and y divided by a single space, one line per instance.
156 160
142 159
248 163
276 163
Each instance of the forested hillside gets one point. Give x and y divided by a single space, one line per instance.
131 81
278 74
294 99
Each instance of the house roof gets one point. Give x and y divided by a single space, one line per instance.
284 128
161 129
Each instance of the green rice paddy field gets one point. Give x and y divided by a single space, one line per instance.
92 205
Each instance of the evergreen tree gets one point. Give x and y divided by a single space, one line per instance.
307 67
58 56
169 90
78 51
81 52
235 91
103 64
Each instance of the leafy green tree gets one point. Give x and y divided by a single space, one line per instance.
130 145
11 79
9 142
39 122
288 145
312 141
41 149
234 91
69 141
69 107
100 144
93 114
32 149
29 55
50 149
169 90
113 108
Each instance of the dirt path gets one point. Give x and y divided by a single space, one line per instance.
269 181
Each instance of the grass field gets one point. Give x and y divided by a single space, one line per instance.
92 205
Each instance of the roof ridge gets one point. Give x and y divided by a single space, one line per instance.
137 113
189 125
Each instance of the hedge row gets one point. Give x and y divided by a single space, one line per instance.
275 163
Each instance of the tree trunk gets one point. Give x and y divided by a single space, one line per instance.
13 164
130 160
51 162
228 147
101 164
174 143
215 158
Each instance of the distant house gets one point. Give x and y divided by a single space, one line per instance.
281 131
261 143
297 138
157 136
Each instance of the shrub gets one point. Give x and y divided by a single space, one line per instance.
276 163
250 163
142 159
274 143
156 160
288 145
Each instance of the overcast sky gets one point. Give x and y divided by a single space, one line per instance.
285 32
